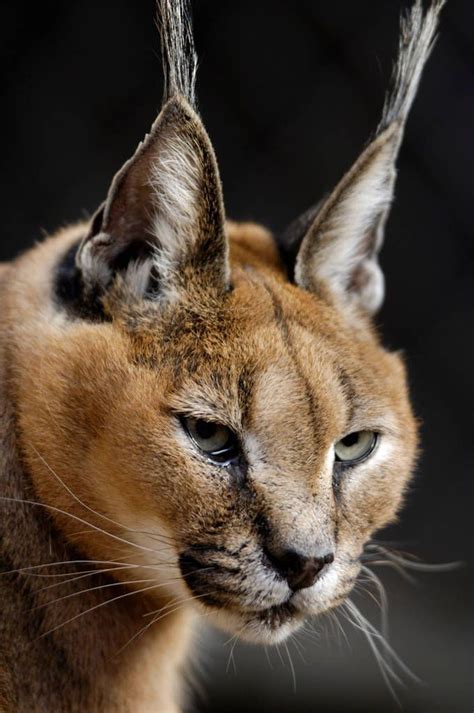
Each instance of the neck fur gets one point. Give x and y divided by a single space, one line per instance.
53 655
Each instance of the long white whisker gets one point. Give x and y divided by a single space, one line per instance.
90 573
268 658
372 635
414 565
91 589
298 646
394 565
383 599
341 630
81 502
234 640
376 634
279 655
160 615
385 669
78 519
57 564
98 606
292 668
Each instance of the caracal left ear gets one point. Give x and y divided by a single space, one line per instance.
165 206
339 250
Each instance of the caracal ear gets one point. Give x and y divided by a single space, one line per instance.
163 222
339 250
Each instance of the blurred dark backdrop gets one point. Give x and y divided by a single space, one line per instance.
290 92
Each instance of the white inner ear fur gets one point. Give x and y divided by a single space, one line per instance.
176 180
359 211
94 266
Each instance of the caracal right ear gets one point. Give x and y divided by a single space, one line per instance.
342 238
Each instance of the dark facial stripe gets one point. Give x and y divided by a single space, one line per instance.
348 389
245 390
292 353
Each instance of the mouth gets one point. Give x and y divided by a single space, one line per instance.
269 626
262 626
278 615
236 609
272 617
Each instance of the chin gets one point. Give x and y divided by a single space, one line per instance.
266 626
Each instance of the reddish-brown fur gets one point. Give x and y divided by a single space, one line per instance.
93 402
117 530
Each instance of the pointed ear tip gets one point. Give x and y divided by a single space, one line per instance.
392 128
174 109
177 104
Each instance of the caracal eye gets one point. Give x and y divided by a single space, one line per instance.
215 440
355 447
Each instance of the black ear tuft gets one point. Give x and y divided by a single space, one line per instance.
163 222
341 246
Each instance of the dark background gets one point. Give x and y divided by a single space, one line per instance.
290 92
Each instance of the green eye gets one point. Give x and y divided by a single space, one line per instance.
355 447
216 441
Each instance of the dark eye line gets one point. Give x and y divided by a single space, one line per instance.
182 416
234 449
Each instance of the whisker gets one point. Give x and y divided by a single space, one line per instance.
22 570
298 646
393 565
385 669
340 629
359 621
103 586
230 659
183 576
365 590
279 655
98 606
268 657
312 636
235 640
391 652
78 519
89 573
158 617
78 499
91 589
77 534
292 668
408 563
383 599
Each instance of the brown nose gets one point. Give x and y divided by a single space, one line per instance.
300 572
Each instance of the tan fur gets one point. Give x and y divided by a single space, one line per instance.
116 530
93 402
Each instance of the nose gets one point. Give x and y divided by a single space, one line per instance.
299 571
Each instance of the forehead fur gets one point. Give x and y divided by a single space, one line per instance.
261 311
266 350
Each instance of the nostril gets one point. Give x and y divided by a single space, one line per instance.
299 571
